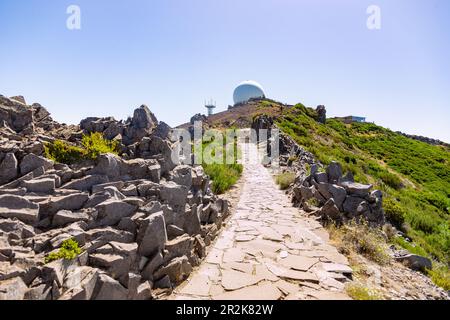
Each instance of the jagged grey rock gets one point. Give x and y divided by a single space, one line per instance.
334 172
143 118
57 270
130 191
351 205
20 208
162 130
321 177
65 217
39 293
101 187
178 247
107 165
70 202
109 289
15 115
338 193
152 265
102 236
115 193
174 231
192 221
13 289
174 194
41 185
331 211
154 234
321 114
357 189
163 148
86 183
15 192
80 283
8 168
18 228
182 175
177 270
97 198
31 162
415 262
114 264
111 212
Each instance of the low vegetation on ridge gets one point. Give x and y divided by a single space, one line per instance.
414 176
224 174
69 250
92 145
285 179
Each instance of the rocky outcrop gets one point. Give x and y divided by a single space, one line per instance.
434 142
263 122
198 117
131 131
20 118
141 220
339 198
412 261
321 114
15 115
294 156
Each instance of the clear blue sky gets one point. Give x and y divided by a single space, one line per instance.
174 54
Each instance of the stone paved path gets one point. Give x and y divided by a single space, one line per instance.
268 251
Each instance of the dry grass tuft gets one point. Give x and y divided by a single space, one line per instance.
284 180
361 239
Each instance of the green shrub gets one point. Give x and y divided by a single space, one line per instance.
284 180
95 144
391 180
394 212
400 241
424 223
60 151
440 276
362 239
69 250
92 146
313 202
414 173
223 176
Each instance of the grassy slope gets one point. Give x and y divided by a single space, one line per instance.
414 176
223 175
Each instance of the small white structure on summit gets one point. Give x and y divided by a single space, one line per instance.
248 90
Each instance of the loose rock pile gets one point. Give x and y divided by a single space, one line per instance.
142 221
339 197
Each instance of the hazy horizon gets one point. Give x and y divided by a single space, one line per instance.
172 55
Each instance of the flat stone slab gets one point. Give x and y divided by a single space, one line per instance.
287 287
258 292
336 267
233 280
300 275
212 271
233 255
200 287
244 238
243 267
299 263
326 295
264 273
215 256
